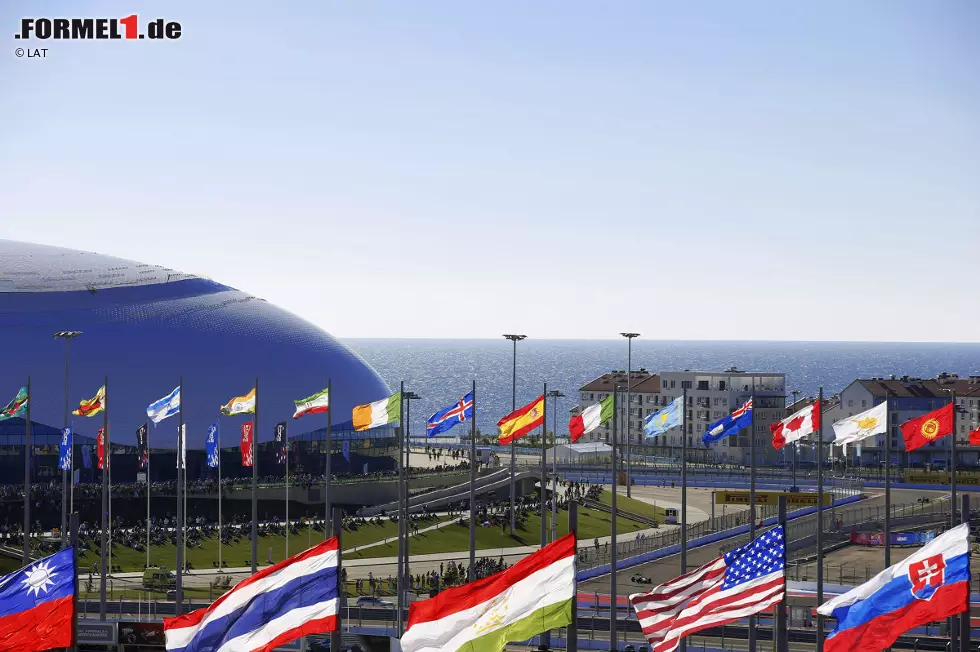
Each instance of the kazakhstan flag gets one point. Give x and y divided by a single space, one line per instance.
667 418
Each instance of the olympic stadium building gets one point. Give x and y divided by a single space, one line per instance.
147 328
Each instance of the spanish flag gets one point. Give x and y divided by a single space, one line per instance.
92 406
522 421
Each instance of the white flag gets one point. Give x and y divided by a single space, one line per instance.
861 426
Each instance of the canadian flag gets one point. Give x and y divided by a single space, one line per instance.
796 427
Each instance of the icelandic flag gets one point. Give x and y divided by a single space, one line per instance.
295 598
37 604
64 453
445 419
211 446
167 406
667 418
730 425
87 457
931 584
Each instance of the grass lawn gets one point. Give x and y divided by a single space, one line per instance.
456 538
633 505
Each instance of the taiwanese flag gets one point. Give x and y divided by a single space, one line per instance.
101 440
920 431
248 443
37 604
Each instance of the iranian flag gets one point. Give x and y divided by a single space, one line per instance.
319 402
379 413
533 596
591 418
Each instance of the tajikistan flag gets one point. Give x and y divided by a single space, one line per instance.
387 410
533 596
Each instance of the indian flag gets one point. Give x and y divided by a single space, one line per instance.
591 418
533 596
379 413
319 402
240 405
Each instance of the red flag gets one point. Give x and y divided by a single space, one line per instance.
101 440
796 426
920 431
248 441
975 437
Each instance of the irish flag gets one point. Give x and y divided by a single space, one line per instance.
319 402
529 598
591 418
379 413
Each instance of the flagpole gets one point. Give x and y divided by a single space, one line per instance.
183 466
965 616
402 530
255 481
105 498
326 467
613 594
146 442
571 632
286 456
406 400
752 512
472 573
683 641
27 477
544 467
179 588
220 566
820 523
888 482
954 630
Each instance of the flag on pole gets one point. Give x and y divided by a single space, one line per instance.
64 453
669 417
920 431
295 598
446 418
165 407
975 437
211 446
17 407
379 413
521 421
319 402
247 443
182 453
800 424
929 585
861 426
533 596
345 449
730 425
745 581
365 468
591 418
87 457
77 479
101 451
142 446
281 443
91 407
37 604
240 405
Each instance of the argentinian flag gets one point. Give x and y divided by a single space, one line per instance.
167 406
667 418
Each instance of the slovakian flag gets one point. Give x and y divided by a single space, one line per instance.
248 443
37 604
591 418
532 596
929 585
521 421
797 426
920 431
295 598
101 449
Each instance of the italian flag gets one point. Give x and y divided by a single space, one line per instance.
591 418
533 596
379 413
319 402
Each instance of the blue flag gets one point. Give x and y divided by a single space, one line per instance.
446 418
667 418
64 456
345 447
87 457
211 446
730 425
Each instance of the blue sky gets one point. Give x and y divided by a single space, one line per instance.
707 170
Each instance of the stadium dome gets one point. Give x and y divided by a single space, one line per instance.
145 327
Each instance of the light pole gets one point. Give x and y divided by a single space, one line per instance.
407 520
554 394
629 383
796 393
513 449
67 336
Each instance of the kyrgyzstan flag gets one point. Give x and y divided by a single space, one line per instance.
797 426
920 431
248 443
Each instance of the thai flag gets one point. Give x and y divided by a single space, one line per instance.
295 598
929 585
37 604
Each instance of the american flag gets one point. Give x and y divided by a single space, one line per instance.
745 581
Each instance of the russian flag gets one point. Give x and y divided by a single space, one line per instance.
929 585
37 604
294 598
